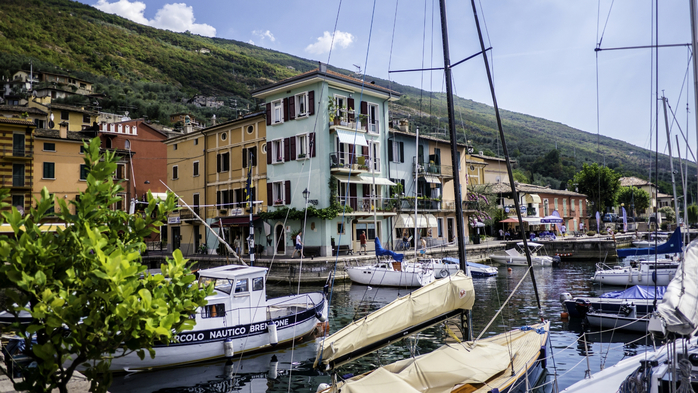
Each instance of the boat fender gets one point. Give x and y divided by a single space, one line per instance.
654 276
639 276
443 273
273 335
543 357
229 348
274 367
322 387
320 317
625 310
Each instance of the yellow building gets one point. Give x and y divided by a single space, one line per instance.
75 117
16 157
209 169
475 169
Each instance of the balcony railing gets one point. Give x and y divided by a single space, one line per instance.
368 204
7 181
372 127
12 151
355 162
431 169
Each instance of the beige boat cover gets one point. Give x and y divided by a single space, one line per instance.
679 307
435 372
426 303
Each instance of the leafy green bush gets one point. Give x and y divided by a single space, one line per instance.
591 233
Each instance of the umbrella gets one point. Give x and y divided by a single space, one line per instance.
512 220
551 220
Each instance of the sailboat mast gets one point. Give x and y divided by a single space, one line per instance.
694 43
671 159
506 155
685 202
454 154
416 193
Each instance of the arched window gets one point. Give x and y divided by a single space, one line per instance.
127 144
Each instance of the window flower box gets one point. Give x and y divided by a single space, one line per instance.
302 155
278 202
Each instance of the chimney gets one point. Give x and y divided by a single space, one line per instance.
63 131
404 125
322 67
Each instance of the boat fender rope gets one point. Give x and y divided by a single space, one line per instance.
540 330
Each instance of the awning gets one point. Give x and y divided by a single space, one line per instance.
532 220
431 179
431 221
404 221
356 179
511 220
161 195
352 138
234 221
532 198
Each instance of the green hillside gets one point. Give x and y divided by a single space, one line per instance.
151 72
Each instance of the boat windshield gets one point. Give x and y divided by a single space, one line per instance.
219 284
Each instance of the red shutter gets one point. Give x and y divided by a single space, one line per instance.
352 195
311 104
287 155
270 196
287 191
291 108
312 143
350 107
285 109
351 155
293 148
269 114
367 190
364 151
269 153
364 108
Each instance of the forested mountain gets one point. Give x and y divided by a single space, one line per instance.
151 72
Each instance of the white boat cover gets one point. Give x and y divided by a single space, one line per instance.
679 307
422 305
438 371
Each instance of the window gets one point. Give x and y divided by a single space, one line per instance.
556 204
120 128
65 115
250 129
196 201
278 193
440 227
18 145
580 208
38 123
340 228
107 143
18 201
373 122
174 147
341 104
82 149
84 170
128 129
85 118
120 171
301 104
195 170
546 207
18 175
223 162
49 170
396 151
213 311
277 151
127 145
224 136
374 153
196 141
175 172
241 285
49 147
249 154
369 227
277 112
302 146
258 283
564 207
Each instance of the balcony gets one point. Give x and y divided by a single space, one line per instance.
344 162
431 169
15 182
470 206
365 204
372 127
10 152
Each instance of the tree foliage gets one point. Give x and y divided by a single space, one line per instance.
669 213
693 214
600 184
633 196
84 285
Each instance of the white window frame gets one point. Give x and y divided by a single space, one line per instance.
277 112
343 114
373 119
127 129
277 151
374 154
127 144
120 128
175 172
302 146
278 190
301 100
195 169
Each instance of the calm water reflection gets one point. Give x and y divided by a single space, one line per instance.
291 371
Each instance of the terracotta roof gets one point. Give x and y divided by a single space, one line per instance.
22 109
634 181
6 120
484 157
532 189
72 135
70 108
427 137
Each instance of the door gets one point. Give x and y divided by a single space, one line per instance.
280 239
451 230
176 238
197 238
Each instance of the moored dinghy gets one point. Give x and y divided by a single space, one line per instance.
391 271
517 256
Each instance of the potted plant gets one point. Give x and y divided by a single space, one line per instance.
278 202
301 155
332 111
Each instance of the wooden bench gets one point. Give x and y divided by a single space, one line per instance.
311 251
343 248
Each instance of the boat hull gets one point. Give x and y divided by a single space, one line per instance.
369 275
196 346
606 321
521 261
577 309
629 276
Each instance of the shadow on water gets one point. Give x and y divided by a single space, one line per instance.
278 372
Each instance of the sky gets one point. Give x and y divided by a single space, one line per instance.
542 56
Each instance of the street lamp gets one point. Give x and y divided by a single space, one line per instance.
306 195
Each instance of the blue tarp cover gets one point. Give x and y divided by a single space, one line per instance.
636 292
380 251
673 245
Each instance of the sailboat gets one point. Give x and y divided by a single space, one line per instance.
509 362
390 271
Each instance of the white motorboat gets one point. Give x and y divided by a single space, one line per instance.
391 273
643 273
237 319
517 256
660 237
642 296
449 266
626 319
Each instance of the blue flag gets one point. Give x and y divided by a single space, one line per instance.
248 187
625 220
598 222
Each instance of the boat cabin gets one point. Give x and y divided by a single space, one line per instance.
239 296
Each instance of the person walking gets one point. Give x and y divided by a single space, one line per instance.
299 246
362 240
501 233
236 245
563 229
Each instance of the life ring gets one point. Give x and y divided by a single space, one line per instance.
444 273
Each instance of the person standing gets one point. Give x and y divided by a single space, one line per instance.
299 246
236 244
563 229
362 240
501 233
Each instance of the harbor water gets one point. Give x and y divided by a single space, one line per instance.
573 354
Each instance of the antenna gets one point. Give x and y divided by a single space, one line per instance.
358 69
